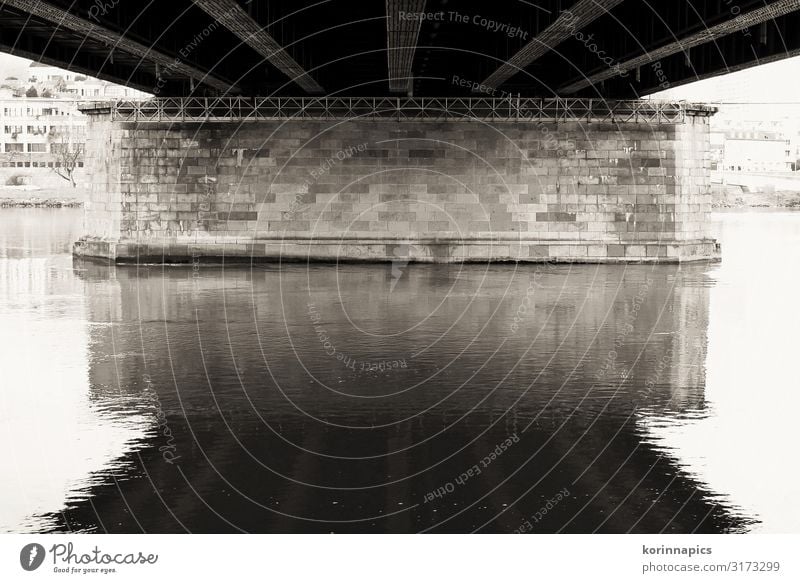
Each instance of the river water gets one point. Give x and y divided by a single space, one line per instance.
399 398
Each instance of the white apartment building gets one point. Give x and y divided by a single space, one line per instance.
754 148
39 134
79 86
31 129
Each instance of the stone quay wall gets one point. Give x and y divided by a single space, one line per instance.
379 189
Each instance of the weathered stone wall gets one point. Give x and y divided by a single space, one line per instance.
693 178
380 189
105 150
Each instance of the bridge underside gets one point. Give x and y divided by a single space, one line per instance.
607 48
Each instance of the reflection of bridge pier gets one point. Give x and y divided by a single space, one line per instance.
260 414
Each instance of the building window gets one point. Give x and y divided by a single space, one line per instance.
37 148
15 147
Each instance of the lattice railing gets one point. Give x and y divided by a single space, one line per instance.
171 109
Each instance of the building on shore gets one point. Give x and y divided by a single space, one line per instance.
41 142
756 130
755 148
42 133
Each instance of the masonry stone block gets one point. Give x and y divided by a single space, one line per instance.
500 191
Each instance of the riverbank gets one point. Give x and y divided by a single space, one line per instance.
34 202
27 197
739 198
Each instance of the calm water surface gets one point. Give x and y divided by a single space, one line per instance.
399 398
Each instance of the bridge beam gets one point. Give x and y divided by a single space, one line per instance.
51 54
115 41
566 24
235 19
402 34
741 22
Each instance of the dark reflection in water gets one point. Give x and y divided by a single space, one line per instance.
339 398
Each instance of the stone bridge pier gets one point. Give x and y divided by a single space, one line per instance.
436 180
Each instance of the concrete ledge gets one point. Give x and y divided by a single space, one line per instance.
382 250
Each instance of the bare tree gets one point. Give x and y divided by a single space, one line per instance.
66 148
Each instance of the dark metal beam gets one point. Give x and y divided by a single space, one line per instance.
234 18
40 56
566 25
402 33
735 24
116 41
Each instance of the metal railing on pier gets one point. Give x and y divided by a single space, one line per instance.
174 109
